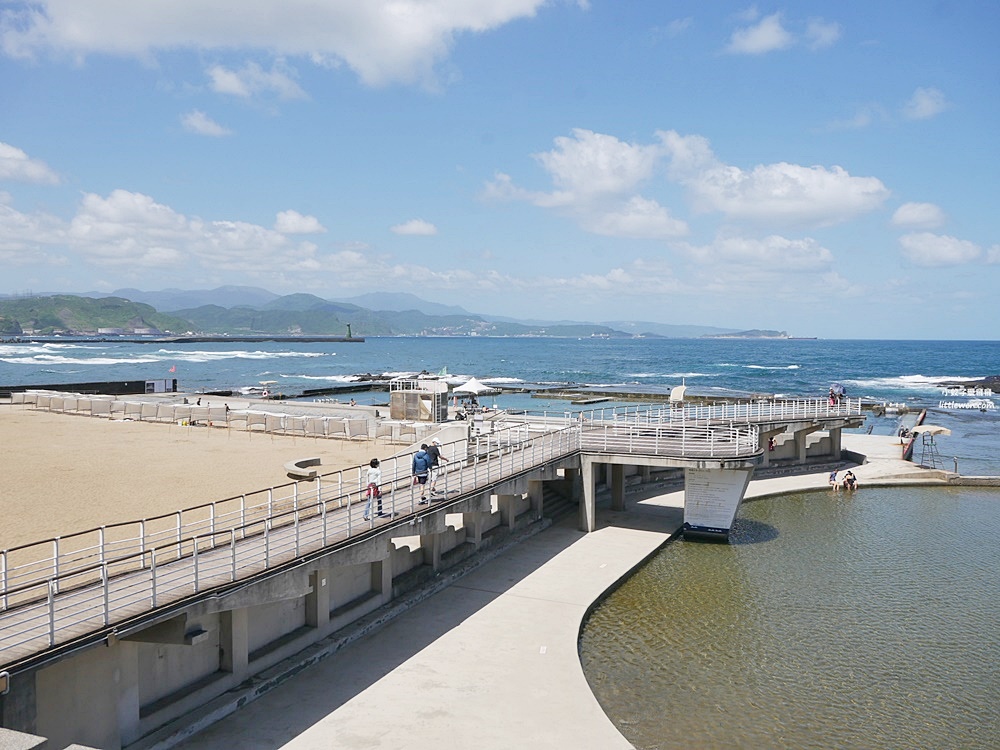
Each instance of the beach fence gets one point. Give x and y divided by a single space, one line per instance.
220 416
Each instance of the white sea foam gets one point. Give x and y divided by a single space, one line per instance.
910 382
327 378
772 367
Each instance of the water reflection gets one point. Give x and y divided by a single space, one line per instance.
864 621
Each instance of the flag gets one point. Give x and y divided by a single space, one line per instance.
173 368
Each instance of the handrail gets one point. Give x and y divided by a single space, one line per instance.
157 560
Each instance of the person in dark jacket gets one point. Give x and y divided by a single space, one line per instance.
421 469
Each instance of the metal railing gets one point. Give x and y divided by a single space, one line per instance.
59 589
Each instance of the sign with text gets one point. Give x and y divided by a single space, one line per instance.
711 499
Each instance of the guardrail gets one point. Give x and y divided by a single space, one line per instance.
60 589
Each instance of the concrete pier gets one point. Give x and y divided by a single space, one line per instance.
492 660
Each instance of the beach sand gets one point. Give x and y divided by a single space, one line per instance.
62 473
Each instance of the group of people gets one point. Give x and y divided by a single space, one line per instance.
425 467
849 482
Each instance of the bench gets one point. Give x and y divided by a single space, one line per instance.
299 469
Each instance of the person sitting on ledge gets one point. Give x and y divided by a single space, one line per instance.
850 481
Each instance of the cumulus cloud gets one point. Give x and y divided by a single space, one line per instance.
132 231
765 36
252 80
638 218
382 41
924 104
918 216
17 166
596 179
781 192
292 222
938 250
199 123
416 227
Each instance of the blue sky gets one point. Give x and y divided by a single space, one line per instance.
828 169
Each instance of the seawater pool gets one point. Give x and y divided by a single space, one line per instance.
853 621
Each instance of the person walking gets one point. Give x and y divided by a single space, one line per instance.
373 478
420 469
436 457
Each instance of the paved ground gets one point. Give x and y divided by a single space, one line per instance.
492 661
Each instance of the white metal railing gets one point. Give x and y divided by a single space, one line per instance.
59 589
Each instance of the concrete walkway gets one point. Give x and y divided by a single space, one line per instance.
491 661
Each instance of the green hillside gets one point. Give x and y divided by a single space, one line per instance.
65 313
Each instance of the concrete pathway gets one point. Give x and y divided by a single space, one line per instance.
492 660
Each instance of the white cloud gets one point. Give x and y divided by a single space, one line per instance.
774 253
924 104
17 166
131 231
937 250
416 227
292 222
821 34
590 164
199 123
639 218
383 41
782 192
252 80
918 216
993 254
766 36
597 177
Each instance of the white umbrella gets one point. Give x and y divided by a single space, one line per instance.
930 429
475 388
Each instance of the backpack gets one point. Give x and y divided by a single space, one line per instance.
421 463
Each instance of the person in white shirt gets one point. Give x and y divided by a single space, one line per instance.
374 478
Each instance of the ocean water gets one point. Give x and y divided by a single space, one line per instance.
907 372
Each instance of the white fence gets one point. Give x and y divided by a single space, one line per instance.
60 589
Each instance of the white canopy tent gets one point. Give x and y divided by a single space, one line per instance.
475 388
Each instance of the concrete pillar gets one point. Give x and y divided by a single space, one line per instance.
573 487
536 493
473 523
234 642
382 578
128 691
836 445
508 509
18 708
617 487
318 600
430 544
645 474
765 439
800 442
588 508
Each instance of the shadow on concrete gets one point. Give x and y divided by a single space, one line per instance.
312 691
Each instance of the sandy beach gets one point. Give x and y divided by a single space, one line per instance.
66 473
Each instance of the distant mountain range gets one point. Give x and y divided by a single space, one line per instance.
242 310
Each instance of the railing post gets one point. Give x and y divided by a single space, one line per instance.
3 575
52 612
107 594
101 542
243 514
55 562
295 515
142 536
179 548
152 576
194 558
232 546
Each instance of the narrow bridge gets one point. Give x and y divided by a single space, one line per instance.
182 578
